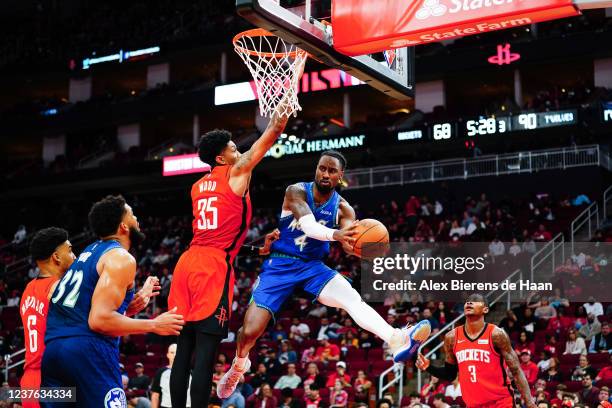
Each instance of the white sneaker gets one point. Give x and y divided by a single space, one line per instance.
406 343
229 381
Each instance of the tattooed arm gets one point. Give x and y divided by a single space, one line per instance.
501 341
450 370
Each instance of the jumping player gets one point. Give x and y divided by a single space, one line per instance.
52 252
203 281
88 311
308 212
477 352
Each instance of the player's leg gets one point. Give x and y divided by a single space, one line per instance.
276 282
52 372
181 368
333 290
206 351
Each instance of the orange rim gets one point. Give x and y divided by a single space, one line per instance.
260 32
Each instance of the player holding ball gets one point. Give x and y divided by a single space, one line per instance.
296 261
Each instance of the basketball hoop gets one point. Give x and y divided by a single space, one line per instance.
275 66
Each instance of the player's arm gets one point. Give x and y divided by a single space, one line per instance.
250 250
116 276
295 201
450 370
501 341
346 217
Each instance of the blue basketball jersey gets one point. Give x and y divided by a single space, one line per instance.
71 301
294 242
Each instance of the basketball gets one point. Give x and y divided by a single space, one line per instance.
373 239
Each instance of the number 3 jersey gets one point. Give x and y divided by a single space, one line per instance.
482 371
71 300
294 242
34 308
220 217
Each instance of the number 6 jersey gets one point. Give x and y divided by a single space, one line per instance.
482 370
33 309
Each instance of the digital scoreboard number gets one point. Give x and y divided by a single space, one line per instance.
487 126
443 131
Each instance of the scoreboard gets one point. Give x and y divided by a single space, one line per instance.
493 125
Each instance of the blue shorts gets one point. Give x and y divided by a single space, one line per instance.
280 277
88 363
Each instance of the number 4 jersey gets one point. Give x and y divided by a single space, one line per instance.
482 371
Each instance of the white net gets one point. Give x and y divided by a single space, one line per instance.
276 67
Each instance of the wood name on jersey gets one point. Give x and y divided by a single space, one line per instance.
32 303
208 185
483 356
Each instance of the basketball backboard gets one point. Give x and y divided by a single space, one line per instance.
305 23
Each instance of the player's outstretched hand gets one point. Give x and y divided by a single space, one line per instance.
150 288
168 324
270 238
347 235
422 362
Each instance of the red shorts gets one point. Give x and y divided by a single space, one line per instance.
203 285
506 402
30 380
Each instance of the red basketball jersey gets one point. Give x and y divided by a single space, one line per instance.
33 309
220 216
482 371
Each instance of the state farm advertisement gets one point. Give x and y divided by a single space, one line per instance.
364 27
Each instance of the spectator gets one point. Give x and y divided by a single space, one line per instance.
604 394
278 333
286 354
557 400
160 390
219 372
550 345
456 230
545 311
583 368
313 376
438 401
338 398
299 331
289 380
591 328
415 401
308 356
312 398
214 400
287 400
260 377
542 235
327 351
412 209
135 401
318 311
602 342
560 323
222 358
13 301
362 387
141 381
574 344
544 362
384 403
530 369
433 387
237 399
589 393
20 235
605 374
529 246
453 390
327 329
348 327
339 374
515 248
524 343
427 315
243 282
496 248
262 398
552 374
593 307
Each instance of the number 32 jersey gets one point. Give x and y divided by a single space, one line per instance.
34 308
220 217
482 371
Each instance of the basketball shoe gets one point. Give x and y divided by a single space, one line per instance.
405 342
230 380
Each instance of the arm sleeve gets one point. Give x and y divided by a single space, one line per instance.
248 250
314 230
448 372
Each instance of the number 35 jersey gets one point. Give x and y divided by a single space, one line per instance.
220 217
482 371
33 310
71 300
